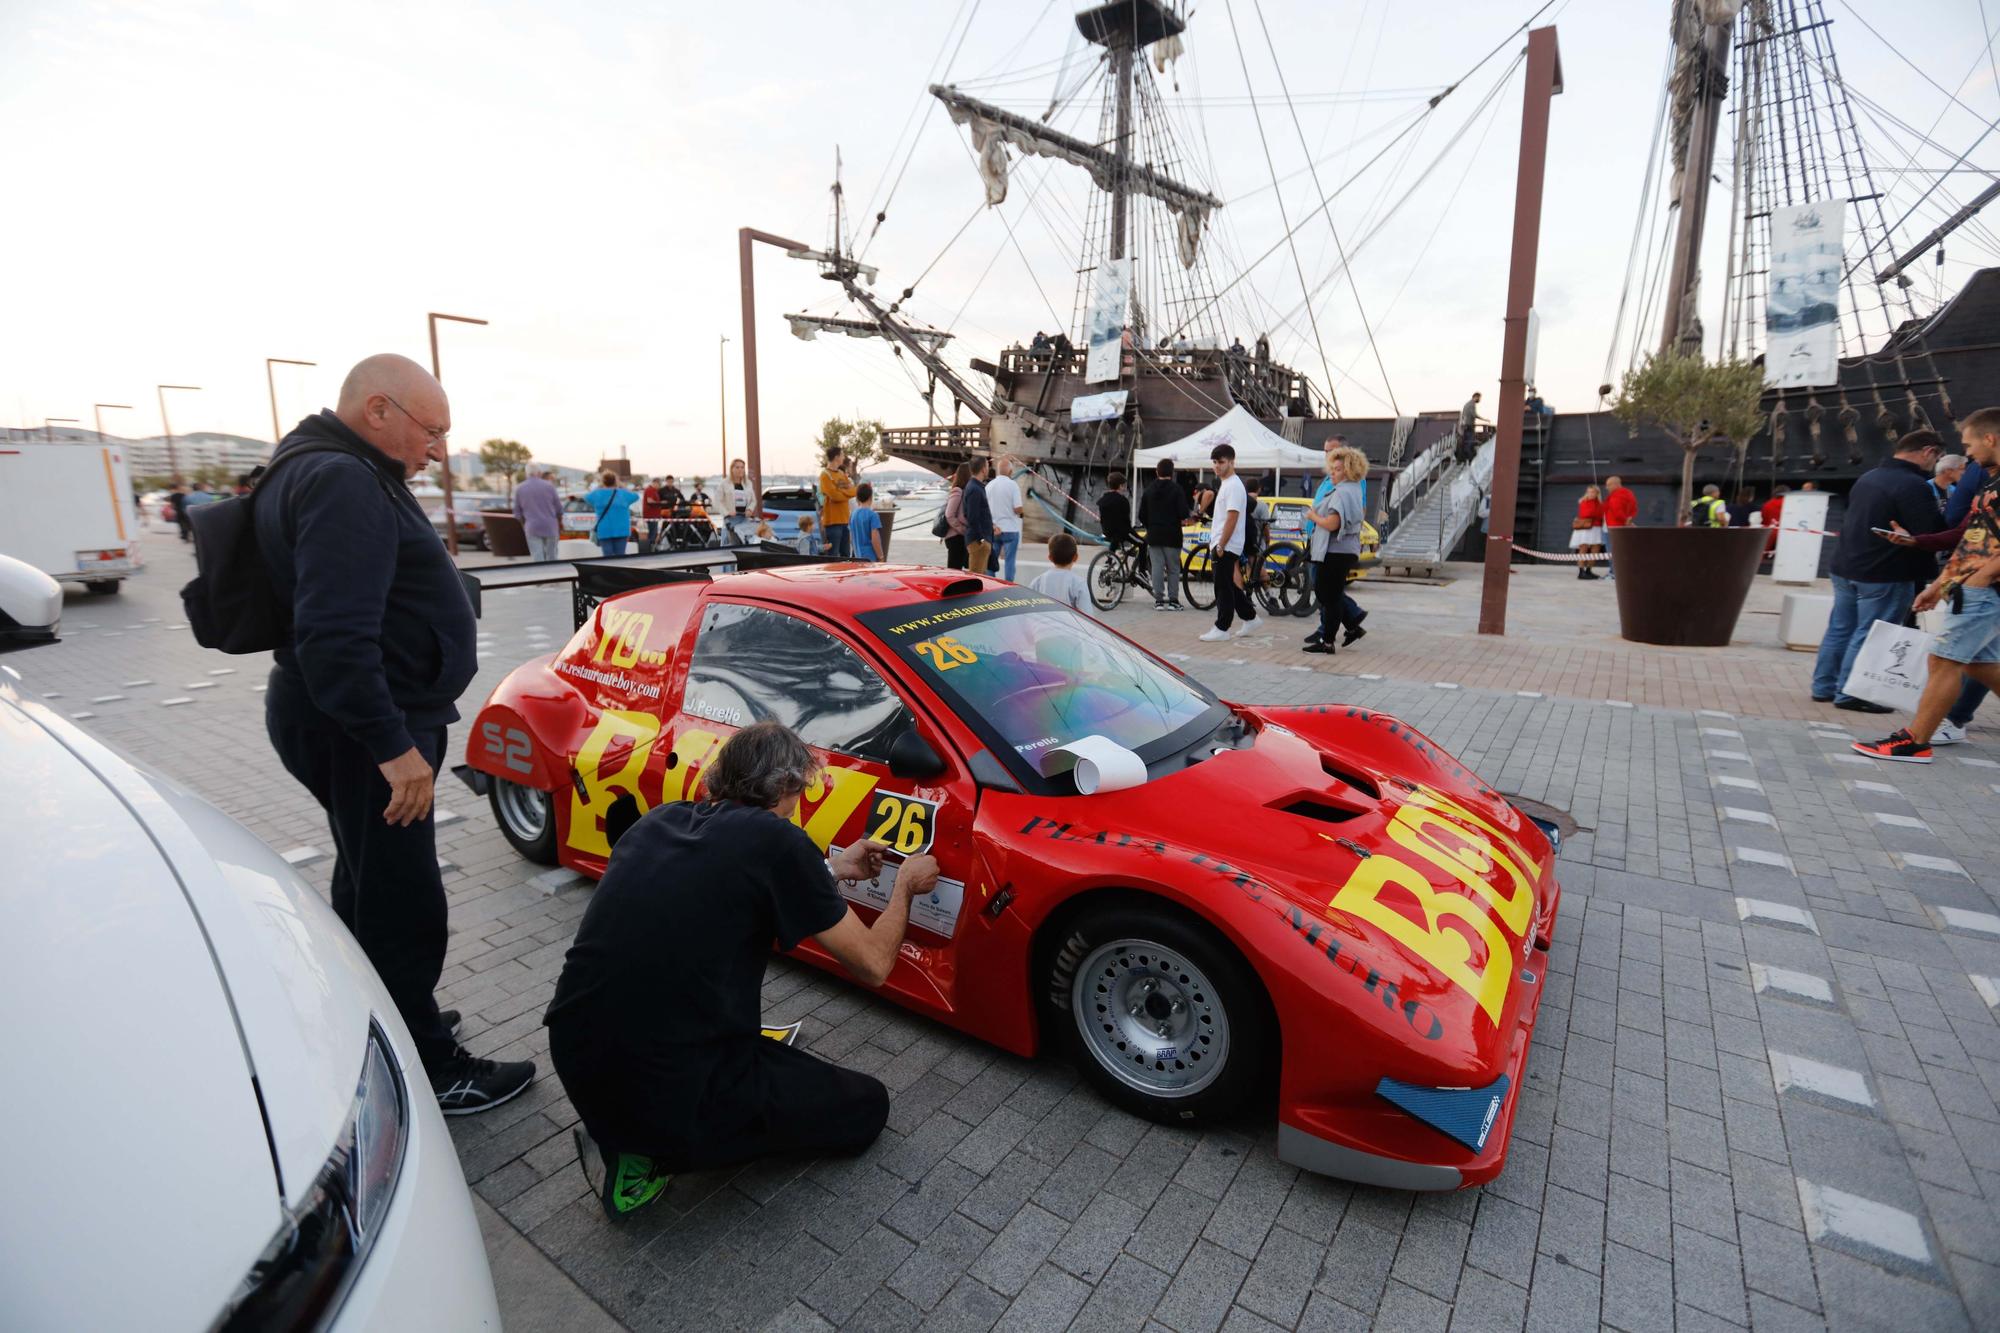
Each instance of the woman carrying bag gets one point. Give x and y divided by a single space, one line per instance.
951 523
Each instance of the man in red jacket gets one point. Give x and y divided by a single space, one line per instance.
1620 508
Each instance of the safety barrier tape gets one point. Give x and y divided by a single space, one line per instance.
1604 556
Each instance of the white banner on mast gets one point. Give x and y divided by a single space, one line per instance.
1111 293
1802 316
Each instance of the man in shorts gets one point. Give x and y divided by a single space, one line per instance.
1969 646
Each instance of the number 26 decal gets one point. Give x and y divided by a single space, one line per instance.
903 824
945 653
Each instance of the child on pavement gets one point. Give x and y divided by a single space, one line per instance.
1062 584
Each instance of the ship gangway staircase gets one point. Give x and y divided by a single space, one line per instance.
1434 502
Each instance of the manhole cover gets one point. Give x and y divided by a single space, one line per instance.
1567 826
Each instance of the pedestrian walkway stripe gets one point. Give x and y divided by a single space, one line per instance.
1723 733
1879 788
1729 756
1749 816
107 698
1757 856
1834 1216
175 703
441 816
1742 784
1529 694
1977 923
1619 703
199 685
84 716
1714 712
1800 985
301 856
555 881
1898 821
1370 675
52 694
1445 684
1989 990
1782 914
135 684
1978 763
1850 759
223 671
1944 865
1831 1082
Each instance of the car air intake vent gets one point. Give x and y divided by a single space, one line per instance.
1320 810
1354 780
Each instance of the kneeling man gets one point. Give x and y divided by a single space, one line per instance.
655 1028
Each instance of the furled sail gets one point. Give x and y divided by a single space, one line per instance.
994 130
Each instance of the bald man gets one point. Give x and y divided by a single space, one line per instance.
379 647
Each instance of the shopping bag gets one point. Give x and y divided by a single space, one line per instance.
1891 667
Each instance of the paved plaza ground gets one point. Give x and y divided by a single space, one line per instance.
1764 1092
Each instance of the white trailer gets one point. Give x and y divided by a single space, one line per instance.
68 511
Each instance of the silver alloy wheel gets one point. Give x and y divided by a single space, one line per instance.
526 810
1150 1017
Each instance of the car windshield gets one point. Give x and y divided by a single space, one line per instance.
1032 675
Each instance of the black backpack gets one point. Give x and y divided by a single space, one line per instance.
230 603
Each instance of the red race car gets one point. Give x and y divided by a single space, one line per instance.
1316 899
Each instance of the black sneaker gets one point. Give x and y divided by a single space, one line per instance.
466 1085
1861 706
1353 633
1321 647
624 1182
1314 637
449 1017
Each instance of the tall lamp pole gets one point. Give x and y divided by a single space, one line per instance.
97 411
753 440
437 373
173 460
1543 83
722 400
272 385
49 423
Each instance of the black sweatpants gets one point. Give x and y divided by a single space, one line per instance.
717 1106
1336 608
1230 600
386 883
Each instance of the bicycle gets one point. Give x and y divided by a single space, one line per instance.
1281 574
1113 570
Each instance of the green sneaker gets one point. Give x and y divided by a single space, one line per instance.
623 1182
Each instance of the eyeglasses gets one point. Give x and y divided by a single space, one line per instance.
438 434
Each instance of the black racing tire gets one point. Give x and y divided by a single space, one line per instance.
102 587
514 810
1098 968
1106 580
1198 588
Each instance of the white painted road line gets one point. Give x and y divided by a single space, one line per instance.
1849 759
84 716
1619 703
1528 694
107 698
135 684
199 685
1801 985
1898 821
1715 712
1722 733
174 703
1833 1215
1369 675
223 671
1829 1081
555 881
1741 784
1978 763
1879 788
300 856
1757 856
1989 990
1944 865
1977 923
1749 816
1779 914
441 816
1729 756
1444 684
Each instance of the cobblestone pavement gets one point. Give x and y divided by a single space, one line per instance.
1764 1092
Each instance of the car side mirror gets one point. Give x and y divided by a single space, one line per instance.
911 757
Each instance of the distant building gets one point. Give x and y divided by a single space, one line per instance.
192 453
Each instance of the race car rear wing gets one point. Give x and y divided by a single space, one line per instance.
591 581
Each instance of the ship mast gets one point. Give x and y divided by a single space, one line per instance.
1700 80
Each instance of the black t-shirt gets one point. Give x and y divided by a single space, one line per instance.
1114 513
671 950
1161 510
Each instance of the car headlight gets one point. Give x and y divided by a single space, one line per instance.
305 1272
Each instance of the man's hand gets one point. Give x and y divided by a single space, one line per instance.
918 875
1900 536
410 787
861 860
1927 599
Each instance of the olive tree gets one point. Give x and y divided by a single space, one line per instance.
1694 403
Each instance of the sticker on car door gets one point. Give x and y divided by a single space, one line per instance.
936 911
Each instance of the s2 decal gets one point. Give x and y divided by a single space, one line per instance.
512 746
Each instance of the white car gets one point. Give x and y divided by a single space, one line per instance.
214 1117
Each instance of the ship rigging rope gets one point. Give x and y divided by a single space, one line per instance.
1639 224
1422 119
1339 250
939 73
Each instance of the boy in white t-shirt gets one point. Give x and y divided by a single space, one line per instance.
1229 525
1063 584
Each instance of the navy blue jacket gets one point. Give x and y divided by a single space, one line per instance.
381 631
978 515
1960 502
1896 490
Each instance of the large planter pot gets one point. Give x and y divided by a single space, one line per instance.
1684 586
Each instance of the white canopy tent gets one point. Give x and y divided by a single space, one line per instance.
1257 446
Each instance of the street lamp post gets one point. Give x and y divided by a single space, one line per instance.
49 424
166 427
437 373
752 437
97 411
722 402
272 385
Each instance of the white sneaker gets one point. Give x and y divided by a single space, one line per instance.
1215 635
1250 626
1947 734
